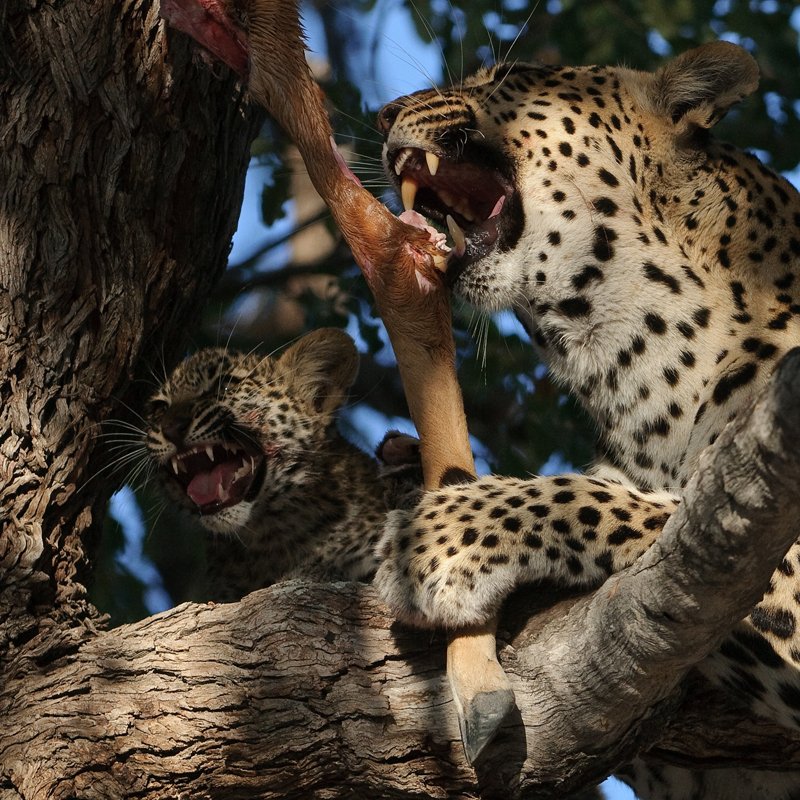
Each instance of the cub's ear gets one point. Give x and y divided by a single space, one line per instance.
322 367
698 87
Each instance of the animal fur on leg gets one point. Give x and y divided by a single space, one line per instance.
401 264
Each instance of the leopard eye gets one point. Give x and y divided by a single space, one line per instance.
157 405
230 383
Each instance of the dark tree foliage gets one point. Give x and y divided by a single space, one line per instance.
518 417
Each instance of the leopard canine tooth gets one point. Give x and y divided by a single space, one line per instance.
408 193
432 160
459 240
210 452
174 462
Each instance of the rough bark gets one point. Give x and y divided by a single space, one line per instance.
121 171
307 690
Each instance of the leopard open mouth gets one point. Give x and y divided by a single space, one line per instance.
467 198
217 475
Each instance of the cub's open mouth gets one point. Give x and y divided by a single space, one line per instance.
465 197
217 475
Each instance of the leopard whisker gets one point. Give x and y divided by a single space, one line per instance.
134 456
434 38
522 29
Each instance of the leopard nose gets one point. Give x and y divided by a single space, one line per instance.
387 115
175 424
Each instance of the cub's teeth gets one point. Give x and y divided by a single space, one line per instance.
210 452
174 463
459 240
408 193
432 161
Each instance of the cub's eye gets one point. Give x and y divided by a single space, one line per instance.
157 405
230 384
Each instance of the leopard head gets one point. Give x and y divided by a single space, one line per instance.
546 175
233 435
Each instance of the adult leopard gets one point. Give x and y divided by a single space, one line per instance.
656 272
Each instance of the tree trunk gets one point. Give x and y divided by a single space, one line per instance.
122 166
121 174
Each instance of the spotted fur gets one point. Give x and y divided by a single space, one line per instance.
291 520
656 271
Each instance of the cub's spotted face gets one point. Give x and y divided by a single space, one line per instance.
250 445
235 436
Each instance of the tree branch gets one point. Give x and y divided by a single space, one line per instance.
310 690
619 653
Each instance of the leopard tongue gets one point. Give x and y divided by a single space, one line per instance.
212 487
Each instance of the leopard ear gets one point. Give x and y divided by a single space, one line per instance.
697 88
322 366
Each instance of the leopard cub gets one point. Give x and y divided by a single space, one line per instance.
249 444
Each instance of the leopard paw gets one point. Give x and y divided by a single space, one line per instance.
452 559
431 581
